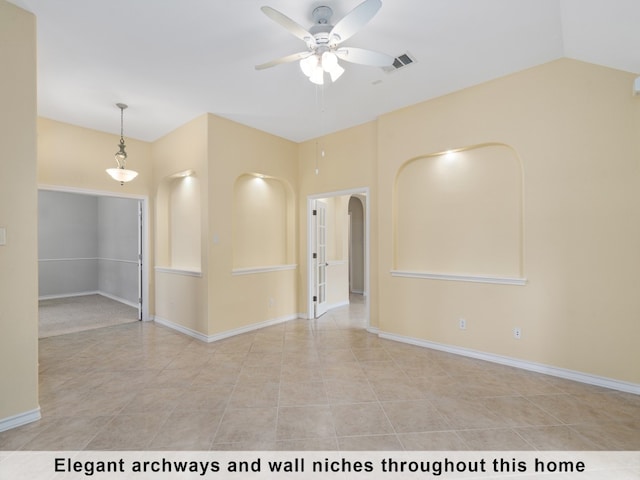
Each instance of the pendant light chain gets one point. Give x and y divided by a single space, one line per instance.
122 125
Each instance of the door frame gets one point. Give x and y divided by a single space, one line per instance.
144 231
311 241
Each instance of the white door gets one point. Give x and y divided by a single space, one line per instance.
140 259
320 258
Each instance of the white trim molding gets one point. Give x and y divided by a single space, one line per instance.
91 192
271 268
20 419
66 259
119 299
118 260
461 278
178 271
135 262
229 333
522 364
69 295
181 328
84 294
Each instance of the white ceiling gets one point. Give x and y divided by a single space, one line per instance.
173 60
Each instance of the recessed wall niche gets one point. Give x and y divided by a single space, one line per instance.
263 222
178 220
460 213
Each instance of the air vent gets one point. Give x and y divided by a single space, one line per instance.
400 61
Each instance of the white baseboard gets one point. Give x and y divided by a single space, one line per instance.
20 419
517 363
84 294
68 295
119 299
181 328
229 333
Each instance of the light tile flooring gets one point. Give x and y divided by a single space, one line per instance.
305 385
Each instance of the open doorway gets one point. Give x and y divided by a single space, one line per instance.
338 251
90 260
356 244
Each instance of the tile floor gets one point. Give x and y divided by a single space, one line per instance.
305 385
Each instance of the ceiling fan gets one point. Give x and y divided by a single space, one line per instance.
323 42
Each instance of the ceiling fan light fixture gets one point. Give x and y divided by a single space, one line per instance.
331 66
309 64
323 39
329 61
317 76
336 72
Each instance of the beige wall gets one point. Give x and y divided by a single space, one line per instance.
185 218
260 222
77 157
460 213
181 296
575 126
18 215
239 301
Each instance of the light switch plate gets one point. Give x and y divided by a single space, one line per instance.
3 236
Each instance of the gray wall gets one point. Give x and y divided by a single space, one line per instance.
118 248
87 244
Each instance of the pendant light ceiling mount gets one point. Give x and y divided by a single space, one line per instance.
121 174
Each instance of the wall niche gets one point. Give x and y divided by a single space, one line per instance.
460 213
178 239
263 222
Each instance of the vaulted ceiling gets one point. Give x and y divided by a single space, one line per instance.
173 60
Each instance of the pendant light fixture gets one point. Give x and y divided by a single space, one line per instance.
121 174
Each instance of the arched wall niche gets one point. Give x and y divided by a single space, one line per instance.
460 213
178 239
263 222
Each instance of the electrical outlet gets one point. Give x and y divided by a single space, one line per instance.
517 333
463 324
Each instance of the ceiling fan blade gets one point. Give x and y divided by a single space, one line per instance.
289 24
354 21
288 59
364 57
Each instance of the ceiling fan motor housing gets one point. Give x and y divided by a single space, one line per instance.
321 15
321 29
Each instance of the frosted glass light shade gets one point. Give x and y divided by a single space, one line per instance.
317 76
122 174
309 64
